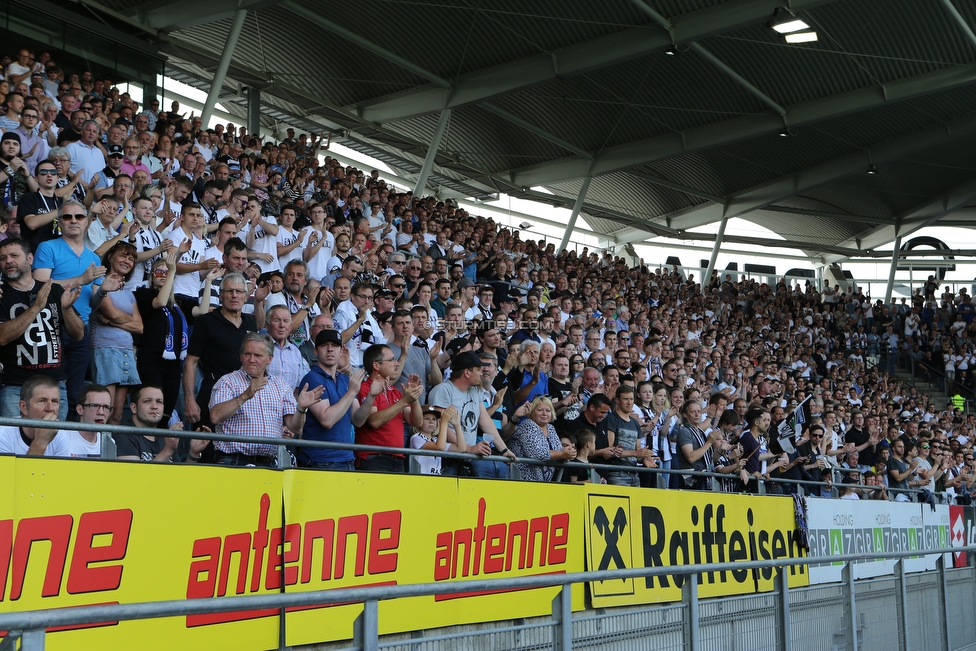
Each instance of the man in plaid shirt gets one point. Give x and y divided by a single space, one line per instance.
249 402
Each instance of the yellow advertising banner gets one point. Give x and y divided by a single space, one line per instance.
79 533
76 533
357 530
660 528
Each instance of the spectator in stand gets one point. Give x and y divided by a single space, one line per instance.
40 398
115 321
695 448
95 409
215 347
388 410
68 263
535 437
463 391
334 417
250 402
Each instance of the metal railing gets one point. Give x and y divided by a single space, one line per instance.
661 475
30 627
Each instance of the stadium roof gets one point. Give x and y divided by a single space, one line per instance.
682 112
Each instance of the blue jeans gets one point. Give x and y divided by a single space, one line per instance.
10 402
489 469
382 463
624 479
77 357
331 465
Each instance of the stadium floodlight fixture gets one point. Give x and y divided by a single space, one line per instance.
801 37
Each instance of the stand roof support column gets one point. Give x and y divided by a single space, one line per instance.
435 142
892 270
719 238
221 73
576 211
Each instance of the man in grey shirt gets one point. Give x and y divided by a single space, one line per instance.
464 391
411 359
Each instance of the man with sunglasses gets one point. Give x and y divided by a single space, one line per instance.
68 263
37 212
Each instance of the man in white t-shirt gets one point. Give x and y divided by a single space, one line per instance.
318 243
192 258
40 399
260 234
94 407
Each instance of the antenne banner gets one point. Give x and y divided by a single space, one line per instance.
76 533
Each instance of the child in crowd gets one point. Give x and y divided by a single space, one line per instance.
425 439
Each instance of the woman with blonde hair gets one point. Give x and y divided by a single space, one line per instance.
535 438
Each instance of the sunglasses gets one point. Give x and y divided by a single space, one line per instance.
161 272
70 216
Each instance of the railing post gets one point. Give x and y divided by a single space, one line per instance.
107 450
366 632
562 619
783 592
9 643
284 459
850 606
689 595
902 605
944 593
32 640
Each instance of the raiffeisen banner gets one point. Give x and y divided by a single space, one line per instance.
662 528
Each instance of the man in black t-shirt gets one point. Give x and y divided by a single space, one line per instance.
147 411
215 346
859 436
34 316
594 417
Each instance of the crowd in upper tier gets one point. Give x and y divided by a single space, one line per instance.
212 280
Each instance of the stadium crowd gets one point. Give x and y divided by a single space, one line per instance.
208 279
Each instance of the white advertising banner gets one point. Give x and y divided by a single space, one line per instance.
869 527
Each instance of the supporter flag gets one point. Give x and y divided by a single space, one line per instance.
791 427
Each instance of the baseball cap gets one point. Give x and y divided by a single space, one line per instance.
431 409
115 150
327 336
456 345
466 360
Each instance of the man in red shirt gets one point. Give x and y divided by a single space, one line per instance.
388 410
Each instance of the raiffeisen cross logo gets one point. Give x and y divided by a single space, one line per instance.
611 535
610 547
